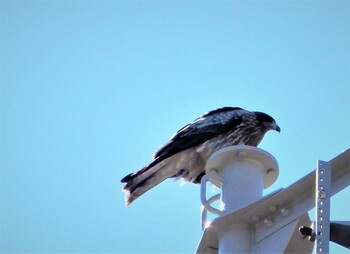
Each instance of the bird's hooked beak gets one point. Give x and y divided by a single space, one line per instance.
276 127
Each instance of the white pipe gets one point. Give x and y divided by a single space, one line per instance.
243 184
236 238
245 172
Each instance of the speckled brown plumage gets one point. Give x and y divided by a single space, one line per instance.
185 154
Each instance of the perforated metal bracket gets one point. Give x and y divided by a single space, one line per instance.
322 204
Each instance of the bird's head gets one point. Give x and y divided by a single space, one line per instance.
267 122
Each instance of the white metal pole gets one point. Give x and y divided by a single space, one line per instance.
245 172
237 238
243 184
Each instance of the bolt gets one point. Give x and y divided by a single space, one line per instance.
285 211
268 222
242 154
272 208
255 218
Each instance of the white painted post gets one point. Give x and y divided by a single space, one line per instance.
243 183
237 238
245 172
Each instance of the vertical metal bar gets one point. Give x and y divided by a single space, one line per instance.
322 199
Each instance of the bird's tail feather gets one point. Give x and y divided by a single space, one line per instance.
143 180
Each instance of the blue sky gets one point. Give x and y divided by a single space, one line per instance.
90 89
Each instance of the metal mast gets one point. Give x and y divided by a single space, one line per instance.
249 222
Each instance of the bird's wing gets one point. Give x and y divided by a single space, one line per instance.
200 130
205 127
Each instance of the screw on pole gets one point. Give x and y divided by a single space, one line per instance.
322 204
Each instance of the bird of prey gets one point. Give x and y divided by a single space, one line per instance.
185 154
